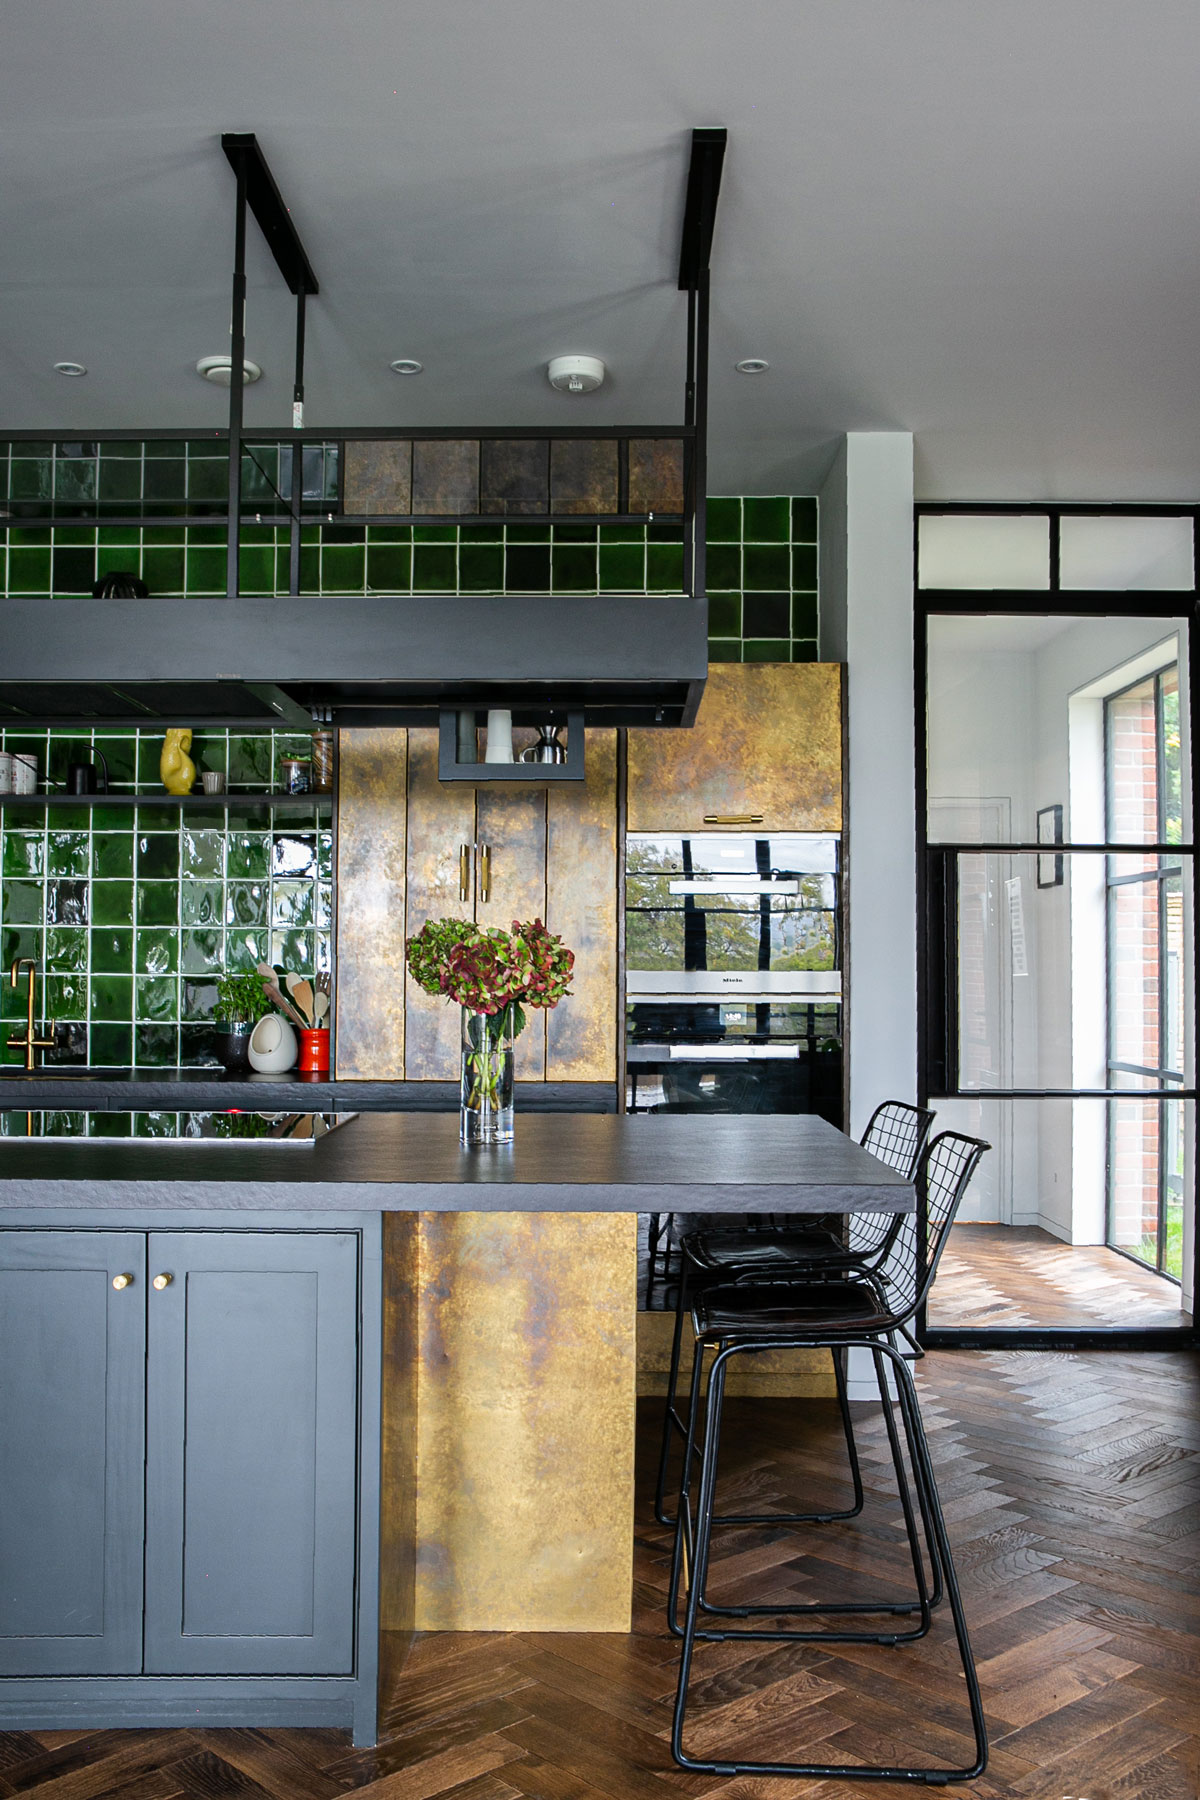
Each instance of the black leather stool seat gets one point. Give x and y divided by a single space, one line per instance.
713 1251
801 1308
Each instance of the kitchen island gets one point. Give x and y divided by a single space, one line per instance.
224 1364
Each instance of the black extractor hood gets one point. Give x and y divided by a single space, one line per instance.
633 659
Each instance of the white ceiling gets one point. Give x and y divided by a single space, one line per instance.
974 221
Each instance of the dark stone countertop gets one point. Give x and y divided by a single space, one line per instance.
413 1162
212 1090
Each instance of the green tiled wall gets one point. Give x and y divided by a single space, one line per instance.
762 575
133 912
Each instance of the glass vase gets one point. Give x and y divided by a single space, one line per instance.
486 1115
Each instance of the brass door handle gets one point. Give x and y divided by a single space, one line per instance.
122 1281
163 1281
733 818
464 871
485 872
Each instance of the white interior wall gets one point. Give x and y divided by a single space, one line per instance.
867 622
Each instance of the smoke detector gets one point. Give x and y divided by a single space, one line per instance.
220 370
575 374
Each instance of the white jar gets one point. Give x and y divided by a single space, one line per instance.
272 1049
6 772
24 773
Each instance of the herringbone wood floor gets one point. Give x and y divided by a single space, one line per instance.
1017 1275
1072 1489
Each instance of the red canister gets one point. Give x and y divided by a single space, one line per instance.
314 1053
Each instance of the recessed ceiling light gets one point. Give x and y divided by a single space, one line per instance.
407 365
220 369
575 374
752 365
70 368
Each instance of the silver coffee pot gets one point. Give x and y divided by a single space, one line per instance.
548 749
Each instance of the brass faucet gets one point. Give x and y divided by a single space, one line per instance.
30 1042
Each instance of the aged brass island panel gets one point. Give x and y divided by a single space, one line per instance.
526 1396
369 1041
766 749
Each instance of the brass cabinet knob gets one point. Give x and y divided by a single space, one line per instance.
122 1281
163 1281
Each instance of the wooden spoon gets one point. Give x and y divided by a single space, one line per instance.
301 991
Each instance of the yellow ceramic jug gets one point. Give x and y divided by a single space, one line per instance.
176 767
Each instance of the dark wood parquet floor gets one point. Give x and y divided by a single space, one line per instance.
1019 1275
1072 1489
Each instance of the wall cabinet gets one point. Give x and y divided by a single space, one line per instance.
179 1469
766 750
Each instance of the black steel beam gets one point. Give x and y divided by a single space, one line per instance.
266 203
700 206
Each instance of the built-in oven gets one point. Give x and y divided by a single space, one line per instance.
733 973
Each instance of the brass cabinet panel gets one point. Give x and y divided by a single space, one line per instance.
581 906
513 826
583 475
378 476
525 1420
371 852
655 475
445 475
514 476
767 745
440 818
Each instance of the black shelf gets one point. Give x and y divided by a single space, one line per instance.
296 803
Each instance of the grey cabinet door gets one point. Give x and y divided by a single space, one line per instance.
72 1396
250 1476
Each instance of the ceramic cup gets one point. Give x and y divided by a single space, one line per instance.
214 781
314 1052
24 776
272 1049
6 772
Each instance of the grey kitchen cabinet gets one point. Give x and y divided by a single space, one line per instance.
180 1474
72 1417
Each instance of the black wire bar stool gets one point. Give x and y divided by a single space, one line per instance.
739 1321
897 1134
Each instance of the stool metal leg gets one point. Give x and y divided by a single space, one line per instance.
927 1489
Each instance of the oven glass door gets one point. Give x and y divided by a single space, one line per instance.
760 1056
732 902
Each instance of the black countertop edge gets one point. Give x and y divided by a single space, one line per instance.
211 1090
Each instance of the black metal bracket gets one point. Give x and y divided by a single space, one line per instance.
699 219
700 206
266 203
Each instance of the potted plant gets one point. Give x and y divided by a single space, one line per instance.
493 975
240 1004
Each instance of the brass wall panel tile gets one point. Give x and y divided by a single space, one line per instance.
807 1373
398 1451
445 475
768 740
526 1397
583 475
581 906
369 999
378 476
440 818
514 477
655 475
513 823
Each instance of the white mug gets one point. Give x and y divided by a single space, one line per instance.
24 775
499 737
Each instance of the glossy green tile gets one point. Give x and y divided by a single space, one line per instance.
31 478
573 534
112 952
724 649
804 566
155 1047
65 997
294 951
207 478
198 999
724 521
248 855
158 857
202 852
805 650
170 449
249 760
205 571
389 568
804 615
573 569
766 615
256 570
804 521
527 534
165 479
73 571
112 1047
201 903
527 569
120 753
481 568
112 903
200 952
766 521
157 998
247 903
292 904
120 480
22 854
664 568
112 997
74 479
22 903
244 950
157 952
434 534
622 568
434 568
770 650
391 534
157 903
766 566
622 534
725 615
724 567
67 948
28 571
68 853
